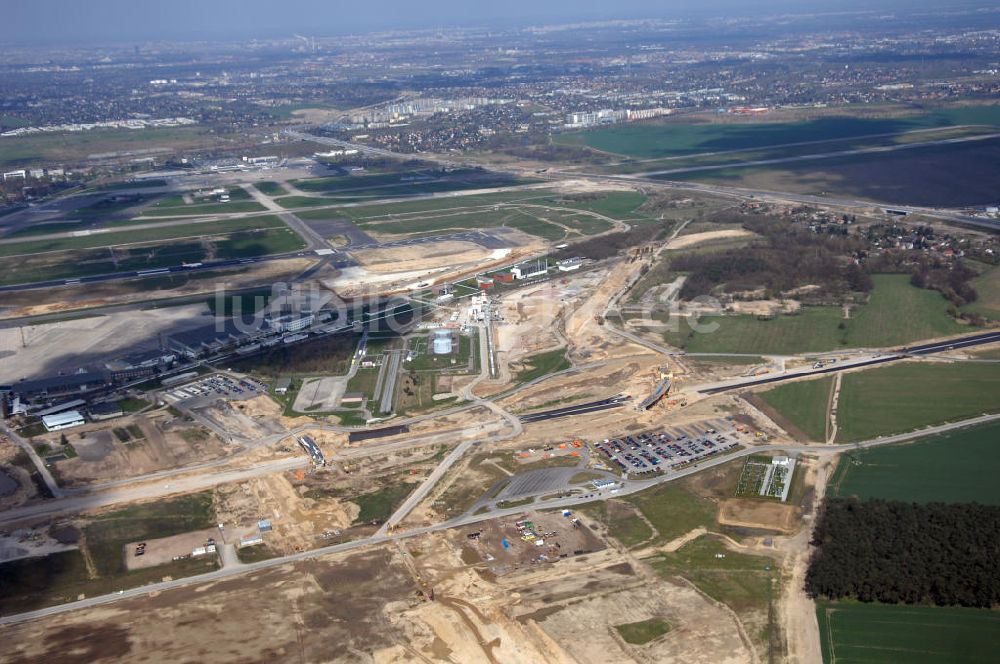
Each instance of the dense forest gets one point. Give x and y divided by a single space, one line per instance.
792 256
889 551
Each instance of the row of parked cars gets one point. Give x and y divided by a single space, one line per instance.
646 452
221 385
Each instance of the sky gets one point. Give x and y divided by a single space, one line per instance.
94 21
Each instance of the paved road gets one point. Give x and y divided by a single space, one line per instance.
469 519
881 358
576 409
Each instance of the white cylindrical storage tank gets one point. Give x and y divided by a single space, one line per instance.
442 342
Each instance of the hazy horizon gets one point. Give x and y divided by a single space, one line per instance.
75 23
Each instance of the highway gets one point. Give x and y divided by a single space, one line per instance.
882 358
469 519
577 409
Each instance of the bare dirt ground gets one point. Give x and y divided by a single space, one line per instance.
620 375
298 521
254 418
768 515
559 612
560 539
797 611
165 549
531 321
168 442
422 256
265 409
686 241
389 270
334 609
580 608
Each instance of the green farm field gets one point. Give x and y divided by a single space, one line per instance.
854 633
806 151
890 399
875 324
73 146
951 175
652 141
956 467
987 287
910 395
804 404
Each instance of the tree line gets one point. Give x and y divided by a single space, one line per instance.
899 552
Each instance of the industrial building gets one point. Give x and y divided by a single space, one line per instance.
530 269
56 386
291 323
71 418
104 411
215 337
484 281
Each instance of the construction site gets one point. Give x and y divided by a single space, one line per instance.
518 468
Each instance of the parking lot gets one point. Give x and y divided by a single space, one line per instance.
218 385
670 449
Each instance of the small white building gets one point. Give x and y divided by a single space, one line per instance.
570 264
71 418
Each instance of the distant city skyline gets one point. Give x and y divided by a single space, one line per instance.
116 21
